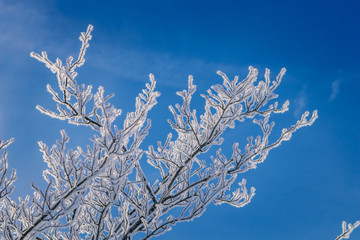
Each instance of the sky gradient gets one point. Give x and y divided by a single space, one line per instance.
304 189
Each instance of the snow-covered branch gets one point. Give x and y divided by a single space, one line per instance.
102 192
77 178
347 230
192 184
6 182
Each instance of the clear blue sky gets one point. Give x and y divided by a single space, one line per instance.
304 189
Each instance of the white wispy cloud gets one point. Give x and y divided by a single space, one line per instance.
300 103
17 25
1 119
27 27
335 87
169 70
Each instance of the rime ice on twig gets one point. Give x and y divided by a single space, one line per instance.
347 230
74 112
192 184
6 183
101 192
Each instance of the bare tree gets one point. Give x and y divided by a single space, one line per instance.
101 192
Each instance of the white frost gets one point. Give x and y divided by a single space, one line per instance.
101 192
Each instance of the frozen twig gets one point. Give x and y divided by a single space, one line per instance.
347 230
102 192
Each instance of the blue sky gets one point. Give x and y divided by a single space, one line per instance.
304 189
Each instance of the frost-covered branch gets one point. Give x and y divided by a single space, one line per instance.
6 182
192 184
102 192
347 230
73 111
6 187
77 178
